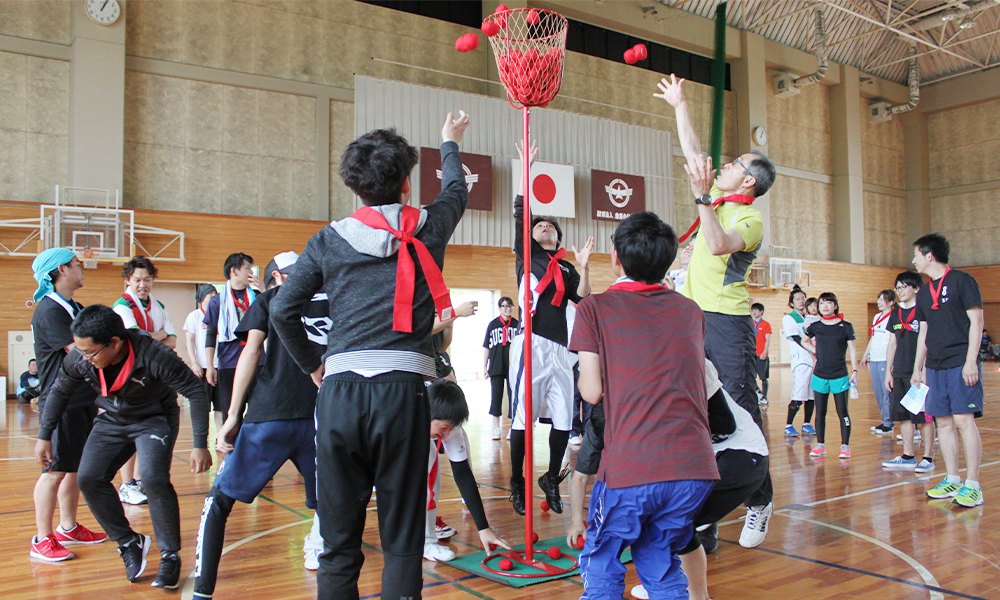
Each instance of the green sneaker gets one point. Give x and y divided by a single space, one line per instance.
968 497
944 490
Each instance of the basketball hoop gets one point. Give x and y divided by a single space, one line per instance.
89 261
530 50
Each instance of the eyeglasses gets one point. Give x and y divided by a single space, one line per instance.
506 306
91 356
737 161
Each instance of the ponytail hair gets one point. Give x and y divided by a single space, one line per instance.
791 297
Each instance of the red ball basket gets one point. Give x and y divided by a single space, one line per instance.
530 50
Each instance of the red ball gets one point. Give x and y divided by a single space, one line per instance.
490 28
640 51
501 8
534 537
578 544
555 553
630 57
492 546
471 41
533 17
501 13
544 506
506 565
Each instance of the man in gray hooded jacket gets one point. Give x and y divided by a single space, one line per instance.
381 271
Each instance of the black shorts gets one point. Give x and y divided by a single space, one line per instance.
70 436
213 394
588 460
897 412
763 367
223 397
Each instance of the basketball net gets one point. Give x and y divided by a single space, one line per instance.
530 49
89 261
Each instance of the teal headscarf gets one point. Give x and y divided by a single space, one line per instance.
45 263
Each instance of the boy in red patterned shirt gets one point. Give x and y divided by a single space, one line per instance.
642 348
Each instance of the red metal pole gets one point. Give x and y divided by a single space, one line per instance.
526 319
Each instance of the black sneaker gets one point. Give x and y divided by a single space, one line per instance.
170 571
517 495
134 556
881 429
710 538
550 486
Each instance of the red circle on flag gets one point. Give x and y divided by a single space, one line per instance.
544 189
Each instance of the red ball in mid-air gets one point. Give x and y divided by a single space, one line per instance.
578 543
544 506
506 565
640 51
472 41
630 57
490 28
501 13
555 553
534 537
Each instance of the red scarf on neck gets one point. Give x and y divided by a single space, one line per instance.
122 375
739 198
505 324
554 273
637 286
936 293
402 312
878 321
832 317
141 314
906 323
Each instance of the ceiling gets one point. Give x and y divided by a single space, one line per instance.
873 35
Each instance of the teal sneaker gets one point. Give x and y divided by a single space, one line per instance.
944 490
968 497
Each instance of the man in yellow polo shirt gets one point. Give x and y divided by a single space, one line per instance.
729 237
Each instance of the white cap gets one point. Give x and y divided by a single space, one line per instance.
285 260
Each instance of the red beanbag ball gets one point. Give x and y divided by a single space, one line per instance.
501 13
578 543
471 41
555 553
640 51
630 57
490 28
533 17
534 537
506 565
544 506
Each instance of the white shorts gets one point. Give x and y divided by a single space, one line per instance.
552 382
801 377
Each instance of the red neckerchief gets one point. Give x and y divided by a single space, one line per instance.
122 376
936 294
406 272
840 316
505 324
906 323
739 198
554 273
432 477
242 304
637 286
878 321
141 314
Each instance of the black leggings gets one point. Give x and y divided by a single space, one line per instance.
496 401
793 409
840 399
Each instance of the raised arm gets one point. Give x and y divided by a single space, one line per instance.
719 240
673 93
286 310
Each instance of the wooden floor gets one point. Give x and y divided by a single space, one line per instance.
843 529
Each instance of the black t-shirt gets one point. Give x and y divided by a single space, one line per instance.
282 390
831 346
499 353
948 326
50 325
906 340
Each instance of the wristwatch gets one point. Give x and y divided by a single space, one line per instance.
704 199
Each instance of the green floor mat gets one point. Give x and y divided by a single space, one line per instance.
472 563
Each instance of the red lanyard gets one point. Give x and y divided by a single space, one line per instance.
243 304
122 376
906 323
637 286
739 198
504 324
936 293
878 321
554 273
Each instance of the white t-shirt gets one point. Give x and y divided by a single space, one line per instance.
456 447
195 324
747 436
157 313
880 338
798 355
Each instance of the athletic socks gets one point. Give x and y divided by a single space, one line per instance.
956 480
907 457
972 484
517 454
558 440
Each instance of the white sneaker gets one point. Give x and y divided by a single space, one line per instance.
640 592
496 433
311 560
755 527
508 433
132 493
437 552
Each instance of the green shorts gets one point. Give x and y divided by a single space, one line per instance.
831 386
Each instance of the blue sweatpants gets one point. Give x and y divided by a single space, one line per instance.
656 521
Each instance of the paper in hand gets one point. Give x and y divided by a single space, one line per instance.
914 399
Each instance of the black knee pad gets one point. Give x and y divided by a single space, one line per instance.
795 404
693 545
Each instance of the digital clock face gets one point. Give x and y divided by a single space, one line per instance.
103 12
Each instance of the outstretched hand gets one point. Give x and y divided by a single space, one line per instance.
583 254
489 537
672 91
454 128
532 152
701 174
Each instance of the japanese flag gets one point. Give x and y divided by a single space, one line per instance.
552 191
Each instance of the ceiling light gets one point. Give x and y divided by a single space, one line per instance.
949 16
967 23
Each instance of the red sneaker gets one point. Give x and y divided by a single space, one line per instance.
49 549
79 535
